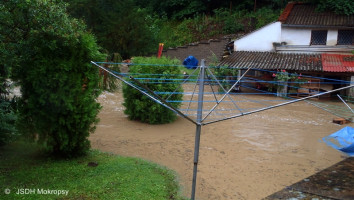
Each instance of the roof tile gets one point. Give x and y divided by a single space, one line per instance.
273 60
290 61
338 63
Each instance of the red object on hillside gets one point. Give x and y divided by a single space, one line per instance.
159 53
338 63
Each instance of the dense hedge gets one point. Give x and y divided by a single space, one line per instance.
142 108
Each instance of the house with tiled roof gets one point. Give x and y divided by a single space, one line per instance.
303 40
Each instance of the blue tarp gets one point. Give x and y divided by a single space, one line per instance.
190 62
342 140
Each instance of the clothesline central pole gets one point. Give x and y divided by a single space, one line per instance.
198 126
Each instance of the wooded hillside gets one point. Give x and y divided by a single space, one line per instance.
134 28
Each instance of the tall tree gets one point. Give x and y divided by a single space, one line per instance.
120 26
58 84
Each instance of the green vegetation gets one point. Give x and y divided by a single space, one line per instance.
222 22
120 26
134 28
8 119
50 55
183 9
8 114
226 75
160 71
338 6
115 177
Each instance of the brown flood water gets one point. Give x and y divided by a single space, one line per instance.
249 157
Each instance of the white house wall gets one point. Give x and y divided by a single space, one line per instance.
260 40
294 36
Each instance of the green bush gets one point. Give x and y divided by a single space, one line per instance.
140 107
58 84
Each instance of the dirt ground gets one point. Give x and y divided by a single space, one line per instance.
249 157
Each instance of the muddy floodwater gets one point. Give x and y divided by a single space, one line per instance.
249 157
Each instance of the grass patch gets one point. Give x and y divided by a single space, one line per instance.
115 177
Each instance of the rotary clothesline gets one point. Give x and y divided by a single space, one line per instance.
217 106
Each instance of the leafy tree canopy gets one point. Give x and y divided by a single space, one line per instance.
338 6
120 26
49 56
181 9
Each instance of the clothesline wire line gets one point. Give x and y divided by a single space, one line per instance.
209 79
225 67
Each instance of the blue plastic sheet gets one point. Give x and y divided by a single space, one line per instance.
190 62
342 140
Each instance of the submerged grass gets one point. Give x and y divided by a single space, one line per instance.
114 177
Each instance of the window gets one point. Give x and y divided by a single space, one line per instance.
319 37
345 37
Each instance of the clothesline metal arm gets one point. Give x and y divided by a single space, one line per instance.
227 93
278 105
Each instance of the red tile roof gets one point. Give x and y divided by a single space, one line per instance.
337 63
285 14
